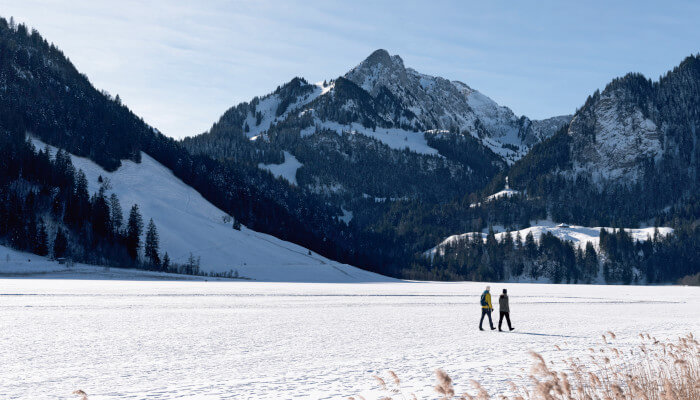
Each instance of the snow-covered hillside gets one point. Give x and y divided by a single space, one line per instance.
395 138
287 170
18 264
579 235
188 223
267 107
508 192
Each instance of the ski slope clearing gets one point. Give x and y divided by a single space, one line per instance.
579 235
188 223
287 170
258 340
502 193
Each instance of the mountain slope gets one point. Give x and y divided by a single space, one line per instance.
630 152
41 93
188 224
381 131
436 103
369 169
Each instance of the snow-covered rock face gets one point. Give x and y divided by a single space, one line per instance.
612 137
267 108
377 70
381 92
437 103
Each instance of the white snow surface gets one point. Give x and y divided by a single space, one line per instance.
287 170
503 193
258 340
395 138
15 263
579 235
187 223
347 216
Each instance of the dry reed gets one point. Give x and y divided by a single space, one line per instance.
82 394
655 370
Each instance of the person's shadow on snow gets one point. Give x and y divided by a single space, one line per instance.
544 334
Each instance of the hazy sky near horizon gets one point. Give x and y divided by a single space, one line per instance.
180 64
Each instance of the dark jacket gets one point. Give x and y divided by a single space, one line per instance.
503 303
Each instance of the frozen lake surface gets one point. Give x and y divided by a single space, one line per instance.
215 340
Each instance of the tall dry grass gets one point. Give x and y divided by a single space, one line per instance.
655 370
82 394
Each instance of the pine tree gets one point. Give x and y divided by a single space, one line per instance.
79 203
42 240
31 237
81 190
530 246
236 224
151 245
116 213
590 261
133 232
100 218
60 244
191 264
165 266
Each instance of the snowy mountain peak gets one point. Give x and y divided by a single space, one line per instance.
382 57
435 103
377 70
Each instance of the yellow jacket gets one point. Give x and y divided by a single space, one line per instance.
488 302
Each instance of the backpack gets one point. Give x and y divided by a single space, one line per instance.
483 300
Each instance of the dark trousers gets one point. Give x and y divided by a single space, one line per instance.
500 320
485 311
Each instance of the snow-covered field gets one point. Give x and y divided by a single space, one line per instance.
216 340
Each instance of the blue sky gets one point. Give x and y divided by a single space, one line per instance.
181 64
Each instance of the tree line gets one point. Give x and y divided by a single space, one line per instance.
618 259
46 209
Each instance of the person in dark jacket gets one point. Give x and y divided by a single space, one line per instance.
504 309
486 308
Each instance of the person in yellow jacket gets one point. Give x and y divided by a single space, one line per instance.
486 308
